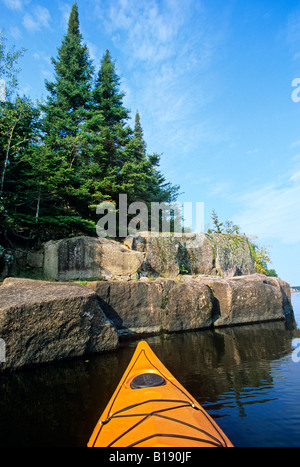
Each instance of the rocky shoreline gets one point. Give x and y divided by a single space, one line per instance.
141 290
47 321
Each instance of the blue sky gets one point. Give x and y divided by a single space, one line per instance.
212 81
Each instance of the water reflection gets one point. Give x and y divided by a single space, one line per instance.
226 361
232 372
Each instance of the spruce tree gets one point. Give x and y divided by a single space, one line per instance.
55 171
67 113
139 142
70 93
108 99
107 95
140 174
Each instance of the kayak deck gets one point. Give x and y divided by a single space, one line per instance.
150 408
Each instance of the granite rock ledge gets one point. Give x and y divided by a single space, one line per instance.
44 321
193 302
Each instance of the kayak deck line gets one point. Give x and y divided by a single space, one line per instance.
146 376
157 413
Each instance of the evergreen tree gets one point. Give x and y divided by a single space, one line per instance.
107 95
140 174
218 226
108 99
70 94
19 133
54 171
139 142
136 174
68 120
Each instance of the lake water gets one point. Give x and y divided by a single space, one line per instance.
246 377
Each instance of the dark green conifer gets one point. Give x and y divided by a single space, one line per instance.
108 100
67 113
70 93
107 95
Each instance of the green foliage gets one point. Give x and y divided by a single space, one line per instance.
261 257
217 225
61 158
107 95
19 133
183 270
260 254
227 227
8 65
271 273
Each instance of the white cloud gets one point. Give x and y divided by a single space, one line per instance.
41 56
272 211
252 151
295 177
164 46
15 32
16 5
40 18
293 28
65 9
93 51
151 27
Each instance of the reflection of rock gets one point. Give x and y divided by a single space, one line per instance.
204 362
42 322
225 360
247 299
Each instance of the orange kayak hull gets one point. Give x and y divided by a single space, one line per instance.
150 408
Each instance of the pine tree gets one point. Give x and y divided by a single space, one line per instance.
136 174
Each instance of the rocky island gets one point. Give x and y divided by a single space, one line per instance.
94 291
